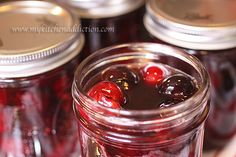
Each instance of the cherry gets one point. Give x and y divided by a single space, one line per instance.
80 113
153 75
61 85
123 77
107 94
3 96
177 88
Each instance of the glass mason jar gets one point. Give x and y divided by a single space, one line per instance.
207 30
37 64
108 22
176 131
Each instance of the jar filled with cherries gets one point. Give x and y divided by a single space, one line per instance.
108 22
141 100
205 29
37 65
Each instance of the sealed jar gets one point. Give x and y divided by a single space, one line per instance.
207 30
37 62
108 22
175 131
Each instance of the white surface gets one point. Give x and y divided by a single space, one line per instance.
228 151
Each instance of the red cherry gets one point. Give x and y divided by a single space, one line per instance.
107 94
108 102
153 75
80 113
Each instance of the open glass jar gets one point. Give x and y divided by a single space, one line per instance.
37 64
108 22
207 30
175 131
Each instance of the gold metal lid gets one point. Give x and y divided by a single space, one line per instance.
194 24
103 8
35 37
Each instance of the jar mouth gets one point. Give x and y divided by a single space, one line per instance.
143 49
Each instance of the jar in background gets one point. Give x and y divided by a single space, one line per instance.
37 63
108 22
174 131
207 30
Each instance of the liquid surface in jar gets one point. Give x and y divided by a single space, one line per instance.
141 86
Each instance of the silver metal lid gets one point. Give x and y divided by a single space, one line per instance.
103 8
194 24
36 37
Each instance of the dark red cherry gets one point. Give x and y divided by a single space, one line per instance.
107 94
177 88
3 96
123 77
61 84
153 75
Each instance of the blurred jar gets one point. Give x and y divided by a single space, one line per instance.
108 22
206 29
37 62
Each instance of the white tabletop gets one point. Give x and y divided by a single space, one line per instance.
228 151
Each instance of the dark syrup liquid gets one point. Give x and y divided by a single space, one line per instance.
141 95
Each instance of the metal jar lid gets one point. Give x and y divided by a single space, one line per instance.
193 24
103 8
36 37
